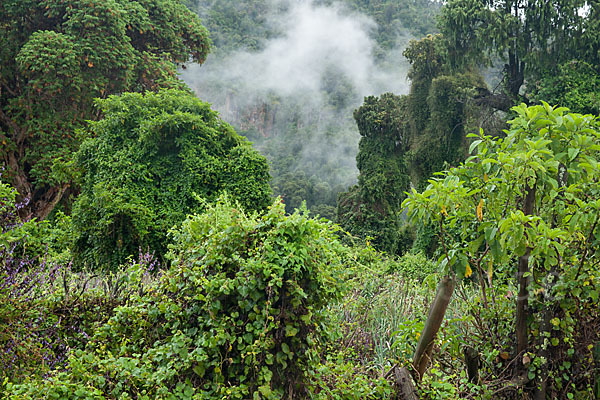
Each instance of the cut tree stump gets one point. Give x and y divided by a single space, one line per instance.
404 385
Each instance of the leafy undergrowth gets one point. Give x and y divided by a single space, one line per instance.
241 313
264 307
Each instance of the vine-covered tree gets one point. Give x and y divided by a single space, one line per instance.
57 56
147 164
440 108
372 208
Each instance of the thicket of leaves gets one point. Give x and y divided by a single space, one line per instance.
46 310
57 56
238 315
527 205
152 160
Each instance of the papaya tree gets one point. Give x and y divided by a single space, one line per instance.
527 205
57 56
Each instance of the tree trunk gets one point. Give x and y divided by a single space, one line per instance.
515 74
549 309
405 388
432 325
523 298
472 361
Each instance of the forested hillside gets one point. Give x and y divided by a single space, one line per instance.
338 52
156 155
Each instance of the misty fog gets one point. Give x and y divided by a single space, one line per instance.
294 98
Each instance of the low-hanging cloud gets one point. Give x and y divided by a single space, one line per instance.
319 47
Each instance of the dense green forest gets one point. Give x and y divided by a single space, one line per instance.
305 127
156 246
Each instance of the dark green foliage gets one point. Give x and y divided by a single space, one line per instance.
44 312
576 86
439 108
404 141
427 59
443 138
238 315
235 24
532 37
394 18
57 56
373 207
384 138
144 166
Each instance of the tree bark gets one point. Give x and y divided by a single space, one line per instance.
523 298
515 74
432 325
549 309
472 361
497 101
405 388
523 278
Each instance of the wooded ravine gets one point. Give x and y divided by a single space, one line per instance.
313 199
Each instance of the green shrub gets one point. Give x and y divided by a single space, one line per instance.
144 167
413 266
238 315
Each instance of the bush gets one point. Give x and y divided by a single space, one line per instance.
238 315
148 161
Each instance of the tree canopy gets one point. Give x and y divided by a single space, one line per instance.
532 37
148 163
57 56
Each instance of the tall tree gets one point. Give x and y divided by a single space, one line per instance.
57 56
531 36
372 208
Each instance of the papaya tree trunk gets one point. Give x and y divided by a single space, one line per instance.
523 297
435 318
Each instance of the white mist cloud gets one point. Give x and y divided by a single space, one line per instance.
314 38
316 42
317 37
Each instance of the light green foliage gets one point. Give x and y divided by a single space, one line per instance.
144 167
338 378
238 315
379 321
477 209
57 56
